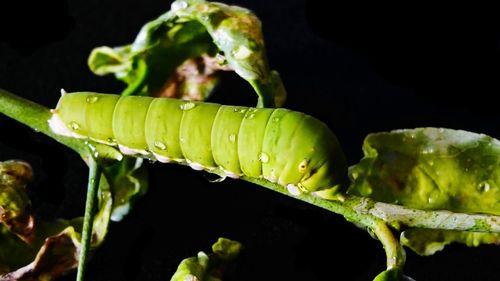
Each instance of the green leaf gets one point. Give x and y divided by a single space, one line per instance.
128 180
179 54
429 241
205 267
431 169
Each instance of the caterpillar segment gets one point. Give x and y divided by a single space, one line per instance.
282 146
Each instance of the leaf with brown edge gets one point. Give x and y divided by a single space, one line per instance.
160 60
51 250
56 257
193 79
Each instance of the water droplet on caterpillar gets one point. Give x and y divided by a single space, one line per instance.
111 141
187 106
232 137
161 146
92 99
263 157
74 126
241 52
178 5
212 177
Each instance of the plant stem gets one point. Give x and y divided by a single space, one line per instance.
88 220
355 209
393 250
37 116
366 211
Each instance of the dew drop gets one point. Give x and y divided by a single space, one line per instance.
483 187
252 115
276 119
92 99
428 150
263 157
217 179
190 277
236 109
92 180
161 146
241 52
75 126
96 154
111 140
232 137
187 106
178 5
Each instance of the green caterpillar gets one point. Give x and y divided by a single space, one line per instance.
282 146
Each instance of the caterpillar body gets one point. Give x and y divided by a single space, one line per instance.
282 146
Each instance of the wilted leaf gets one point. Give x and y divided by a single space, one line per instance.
205 267
57 256
15 206
52 249
204 37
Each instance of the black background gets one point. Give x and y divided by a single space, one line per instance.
358 68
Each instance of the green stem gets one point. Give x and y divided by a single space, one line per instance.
355 209
36 116
266 99
393 250
88 219
367 212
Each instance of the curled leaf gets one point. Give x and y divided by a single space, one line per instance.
179 53
205 267
127 180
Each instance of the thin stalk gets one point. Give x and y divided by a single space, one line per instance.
88 220
394 252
